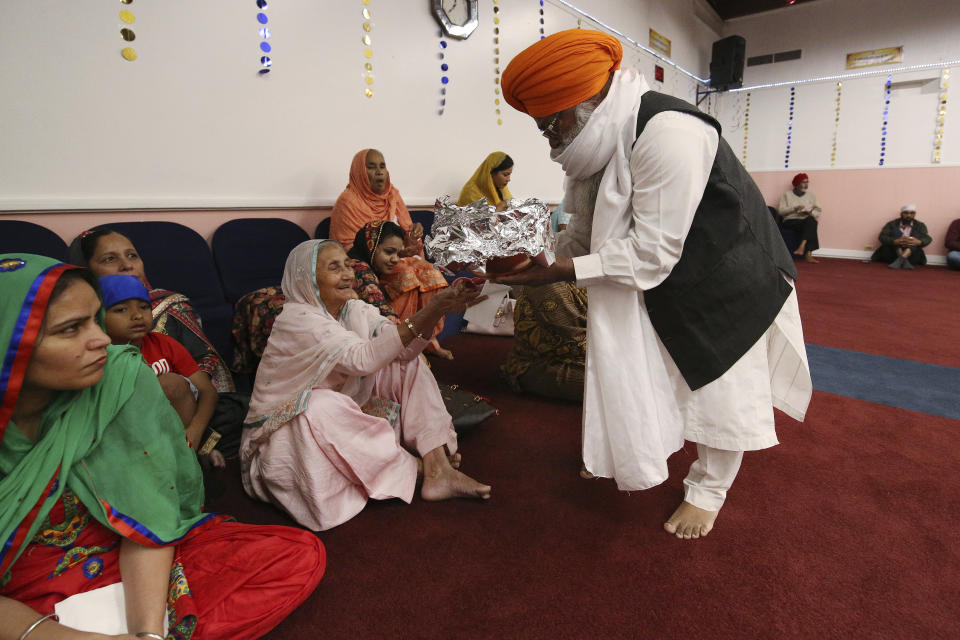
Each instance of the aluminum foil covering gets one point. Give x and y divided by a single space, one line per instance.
472 234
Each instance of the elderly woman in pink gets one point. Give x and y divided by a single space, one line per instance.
343 409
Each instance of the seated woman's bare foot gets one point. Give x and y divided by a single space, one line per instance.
586 475
440 352
690 522
434 349
442 482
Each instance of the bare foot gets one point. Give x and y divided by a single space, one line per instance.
809 258
586 475
440 352
442 482
454 460
690 522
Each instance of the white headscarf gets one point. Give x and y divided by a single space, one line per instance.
304 346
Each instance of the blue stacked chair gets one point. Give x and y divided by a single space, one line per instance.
250 253
323 230
19 236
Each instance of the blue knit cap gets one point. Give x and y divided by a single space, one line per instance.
119 288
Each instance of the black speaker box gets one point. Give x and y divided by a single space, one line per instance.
726 64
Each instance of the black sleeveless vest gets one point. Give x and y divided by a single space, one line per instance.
727 288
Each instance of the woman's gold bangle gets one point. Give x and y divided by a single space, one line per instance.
413 329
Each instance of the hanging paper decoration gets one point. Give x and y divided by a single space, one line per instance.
367 50
786 159
444 78
496 59
542 34
886 113
746 129
126 16
836 126
265 60
941 114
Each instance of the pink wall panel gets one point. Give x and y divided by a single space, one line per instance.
857 202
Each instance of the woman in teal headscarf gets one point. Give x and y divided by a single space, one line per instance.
99 486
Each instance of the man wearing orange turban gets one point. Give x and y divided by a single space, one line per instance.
694 331
801 212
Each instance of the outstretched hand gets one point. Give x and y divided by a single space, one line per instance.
457 298
536 275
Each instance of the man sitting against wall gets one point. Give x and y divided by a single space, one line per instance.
800 212
902 241
952 243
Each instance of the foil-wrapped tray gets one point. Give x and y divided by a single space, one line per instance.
473 234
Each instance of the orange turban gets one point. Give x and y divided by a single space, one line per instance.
560 71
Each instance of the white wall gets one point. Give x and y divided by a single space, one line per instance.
191 124
826 31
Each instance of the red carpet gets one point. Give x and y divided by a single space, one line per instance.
844 530
867 307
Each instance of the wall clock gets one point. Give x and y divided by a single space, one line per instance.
457 17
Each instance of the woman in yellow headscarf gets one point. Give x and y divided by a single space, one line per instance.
489 181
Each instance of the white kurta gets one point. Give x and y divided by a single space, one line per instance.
623 253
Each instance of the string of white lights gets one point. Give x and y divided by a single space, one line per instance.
633 42
846 76
706 81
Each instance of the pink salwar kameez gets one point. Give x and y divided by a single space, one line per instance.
338 406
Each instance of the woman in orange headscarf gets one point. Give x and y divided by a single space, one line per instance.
369 197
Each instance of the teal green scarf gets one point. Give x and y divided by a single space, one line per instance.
118 444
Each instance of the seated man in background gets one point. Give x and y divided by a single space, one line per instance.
902 241
128 320
800 211
952 243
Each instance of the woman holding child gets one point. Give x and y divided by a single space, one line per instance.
341 395
107 252
98 485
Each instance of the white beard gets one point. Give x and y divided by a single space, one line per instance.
582 112
581 195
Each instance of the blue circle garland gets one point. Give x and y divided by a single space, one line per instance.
444 78
542 34
265 61
886 114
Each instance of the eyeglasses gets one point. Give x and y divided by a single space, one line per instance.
550 128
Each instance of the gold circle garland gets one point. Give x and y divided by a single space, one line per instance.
836 126
367 42
126 16
496 59
941 119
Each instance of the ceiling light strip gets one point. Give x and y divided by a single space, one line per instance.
846 76
633 42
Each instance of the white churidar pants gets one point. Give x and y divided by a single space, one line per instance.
710 476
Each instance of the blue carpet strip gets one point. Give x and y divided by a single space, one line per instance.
905 384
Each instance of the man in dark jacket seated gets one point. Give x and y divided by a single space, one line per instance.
902 240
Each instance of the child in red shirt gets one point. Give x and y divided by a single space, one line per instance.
129 320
